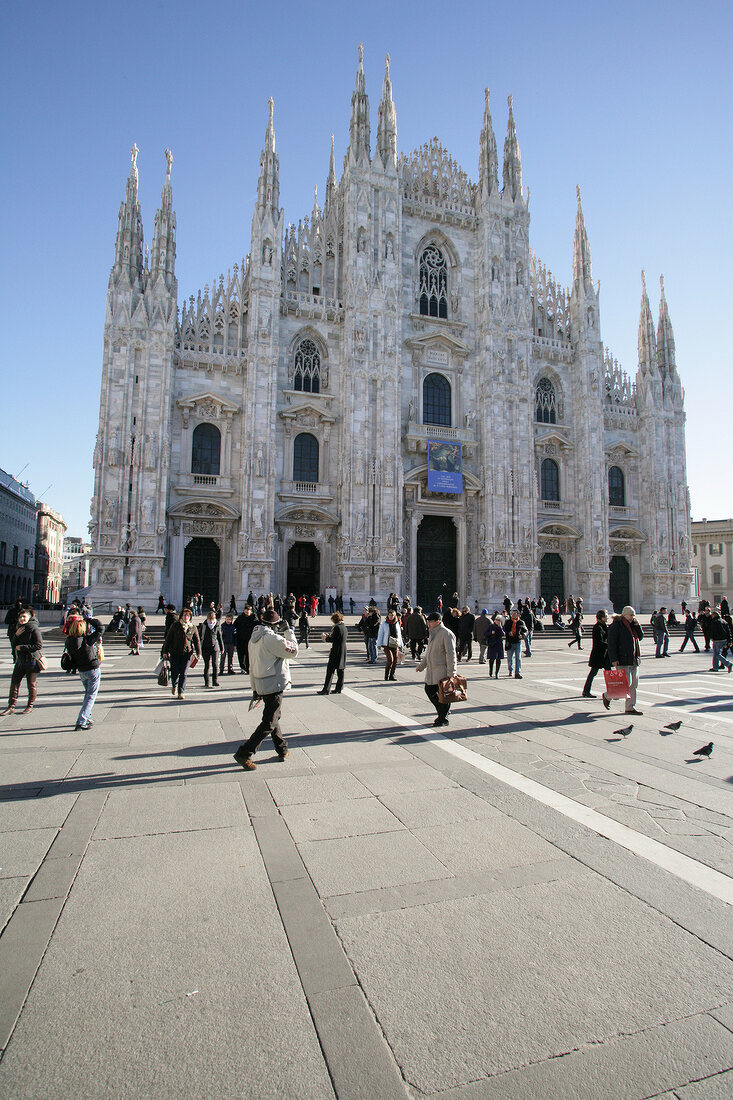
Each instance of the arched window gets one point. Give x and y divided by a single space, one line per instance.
433 283
305 457
206 455
307 376
550 480
436 400
616 487
545 402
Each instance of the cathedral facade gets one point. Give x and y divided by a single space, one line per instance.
393 395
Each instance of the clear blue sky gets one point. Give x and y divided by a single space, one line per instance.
632 101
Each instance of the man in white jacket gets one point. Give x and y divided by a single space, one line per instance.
269 675
439 661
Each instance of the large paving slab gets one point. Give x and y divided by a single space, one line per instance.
144 812
220 994
518 977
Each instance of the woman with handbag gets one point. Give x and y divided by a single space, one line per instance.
84 646
27 646
134 634
181 644
494 642
390 639
439 661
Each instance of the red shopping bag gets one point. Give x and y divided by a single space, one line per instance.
617 683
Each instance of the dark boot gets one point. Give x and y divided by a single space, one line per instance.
12 699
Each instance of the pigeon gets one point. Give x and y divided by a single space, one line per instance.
674 726
706 750
624 732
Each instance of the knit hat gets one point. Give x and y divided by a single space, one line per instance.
433 617
271 617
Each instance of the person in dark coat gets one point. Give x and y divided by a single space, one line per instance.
27 644
134 634
624 651
180 645
599 651
212 646
244 624
170 617
724 607
465 633
11 621
416 628
494 643
304 627
337 656
575 625
479 633
228 637
690 624
83 644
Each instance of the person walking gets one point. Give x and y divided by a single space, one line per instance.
438 662
598 652
624 651
417 632
721 638
27 645
228 638
84 645
180 645
212 646
11 621
390 640
514 632
704 619
303 628
690 624
575 624
269 674
134 634
661 632
337 656
494 644
466 624
244 624
480 627
371 631
161 604
527 618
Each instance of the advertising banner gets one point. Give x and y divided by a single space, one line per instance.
445 467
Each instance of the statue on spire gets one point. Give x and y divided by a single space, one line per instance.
168 165
133 159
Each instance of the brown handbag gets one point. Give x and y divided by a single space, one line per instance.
453 689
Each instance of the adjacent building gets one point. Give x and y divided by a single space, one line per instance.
50 532
75 574
17 539
393 394
712 555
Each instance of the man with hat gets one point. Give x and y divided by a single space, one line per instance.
624 651
269 673
438 661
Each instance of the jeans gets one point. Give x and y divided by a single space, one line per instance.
372 650
482 653
514 657
227 656
719 645
632 671
690 638
528 644
662 639
210 658
90 678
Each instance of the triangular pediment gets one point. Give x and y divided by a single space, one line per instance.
554 439
208 401
307 413
438 341
620 450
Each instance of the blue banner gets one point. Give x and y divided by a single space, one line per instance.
445 467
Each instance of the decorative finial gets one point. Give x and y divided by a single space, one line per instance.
315 195
361 54
133 155
386 64
486 96
577 191
643 279
271 110
510 101
661 284
169 163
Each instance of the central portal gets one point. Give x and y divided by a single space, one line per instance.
436 560
201 570
304 569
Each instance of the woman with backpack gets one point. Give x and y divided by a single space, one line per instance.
27 646
84 646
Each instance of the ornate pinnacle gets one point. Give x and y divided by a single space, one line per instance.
169 164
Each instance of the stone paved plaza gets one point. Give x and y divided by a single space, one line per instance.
529 906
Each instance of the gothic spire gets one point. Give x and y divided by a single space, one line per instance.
512 158
129 243
488 161
387 130
582 273
163 253
331 184
665 337
268 185
359 130
647 341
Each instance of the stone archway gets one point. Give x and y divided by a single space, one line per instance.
201 561
304 569
437 568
